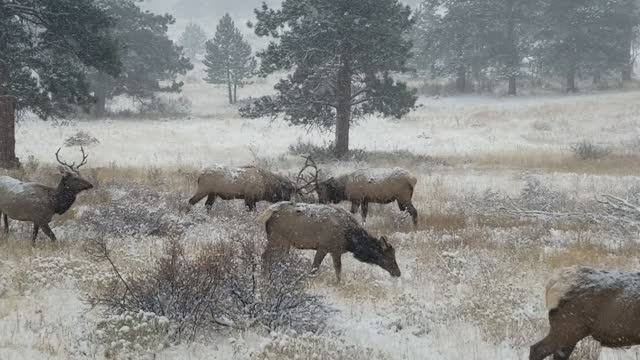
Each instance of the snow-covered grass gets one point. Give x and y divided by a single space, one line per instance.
472 277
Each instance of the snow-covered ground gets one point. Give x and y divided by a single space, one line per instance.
472 285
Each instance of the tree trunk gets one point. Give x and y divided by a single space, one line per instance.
100 108
343 109
513 60
461 80
229 87
8 159
597 77
571 80
235 93
627 70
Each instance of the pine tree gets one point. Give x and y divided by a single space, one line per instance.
584 36
341 55
150 59
229 59
192 40
44 47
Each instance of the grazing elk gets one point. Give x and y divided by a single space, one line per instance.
250 183
364 186
37 203
328 230
590 302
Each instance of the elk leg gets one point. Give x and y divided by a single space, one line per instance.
364 209
564 353
5 218
408 207
251 204
211 198
354 206
196 198
47 231
544 348
317 260
35 233
337 264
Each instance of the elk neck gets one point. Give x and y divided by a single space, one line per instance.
363 246
62 198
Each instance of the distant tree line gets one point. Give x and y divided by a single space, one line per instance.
508 39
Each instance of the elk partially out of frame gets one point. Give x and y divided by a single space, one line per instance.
250 183
586 302
328 230
364 186
37 203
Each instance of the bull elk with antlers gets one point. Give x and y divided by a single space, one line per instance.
37 203
364 186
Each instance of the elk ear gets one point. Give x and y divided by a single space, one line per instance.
63 170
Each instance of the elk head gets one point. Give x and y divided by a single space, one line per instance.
71 179
388 258
330 191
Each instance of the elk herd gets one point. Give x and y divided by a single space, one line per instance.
581 301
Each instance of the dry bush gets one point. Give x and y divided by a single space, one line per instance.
309 346
220 287
80 138
326 153
137 211
585 150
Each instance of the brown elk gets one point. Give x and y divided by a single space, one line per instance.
364 186
250 183
37 203
585 302
328 230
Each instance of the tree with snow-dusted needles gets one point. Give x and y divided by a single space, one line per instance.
192 40
43 47
584 37
150 59
342 55
229 59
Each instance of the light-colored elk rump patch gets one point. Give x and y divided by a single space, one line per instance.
561 282
587 302
25 201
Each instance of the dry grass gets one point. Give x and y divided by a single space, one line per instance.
555 161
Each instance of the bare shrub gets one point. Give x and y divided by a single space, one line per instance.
536 195
136 211
326 153
540 125
132 334
309 346
221 286
80 138
167 107
585 150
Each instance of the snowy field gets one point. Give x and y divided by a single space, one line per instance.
473 277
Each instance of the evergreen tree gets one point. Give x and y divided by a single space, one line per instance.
150 59
341 55
44 46
585 36
192 40
228 59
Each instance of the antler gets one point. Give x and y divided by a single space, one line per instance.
308 164
73 165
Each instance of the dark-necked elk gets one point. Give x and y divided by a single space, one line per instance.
37 203
250 183
586 302
372 185
327 229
